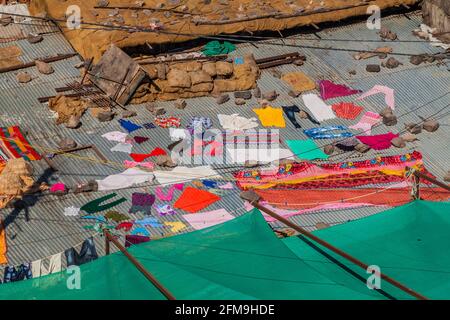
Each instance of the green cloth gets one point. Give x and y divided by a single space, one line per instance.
96 205
306 149
214 48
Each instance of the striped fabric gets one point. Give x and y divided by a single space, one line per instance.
14 145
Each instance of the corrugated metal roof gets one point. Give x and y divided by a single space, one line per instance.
49 231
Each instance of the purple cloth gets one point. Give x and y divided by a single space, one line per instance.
135 239
329 90
142 202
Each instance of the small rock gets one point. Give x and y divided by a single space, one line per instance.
239 101
105 116
43 67
159 111
247 95
90 186
67 143
73 123
34 38
180 104
430 125
222 99
329 149
102 3
299 62
387 34
165 161
391 63
409 137
276 73
352 72
447 177
23 77
362 148
413 128
390 119
257 93
6 20
322 225
373 68
128 114
270 96
398 142
293 94
303 115
416 60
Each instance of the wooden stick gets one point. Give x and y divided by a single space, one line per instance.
32 64
425 177
253 198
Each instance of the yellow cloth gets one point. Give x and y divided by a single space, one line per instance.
271 117
299 81
3 246
175 226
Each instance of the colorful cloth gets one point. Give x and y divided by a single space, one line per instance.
140 139
141 230
125 226
368 120
126 179
329 90
142 202
129 126
141 157
193 200
235 122
133 164
214 48
116 136
3 245
175 226
58 187
207 219
165 209
378 142
23 272
149 126
168 122
347 110
322 132
97 206
200 124
71 211
388 95
116 216
149 221
271 117
13 145
135 239
306 149
320 110
169 195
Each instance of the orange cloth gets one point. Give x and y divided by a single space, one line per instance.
193 200
3 245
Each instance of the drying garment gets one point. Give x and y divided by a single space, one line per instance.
378 142
39 269
248 137
129 126
193 200
368 120
347 144
206 148
199 124
324 132
271 117
58 187
126 179
207 219
210 184
168 196
214 48
290 112
149 221
177 134
71 211
227 186
3 245
185 174
155 152
142 202
140 139
100 219
164 209
175 226
168 122
133 164
135 239
235 122
96 206
122 147
320 110
116 136
13 145
125 226
149 126
329 90
347 110
116 216
23 272
298 81
299 199
306 149
262 155
87 253
388 95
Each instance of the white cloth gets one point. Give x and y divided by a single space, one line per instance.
318 108
38 268
123 147
178 134
435 42
185 174
236 122
116 136
203 220
261 155
71 211
126 179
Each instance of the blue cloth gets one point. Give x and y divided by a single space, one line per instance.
100 218
150 221
210 184
142 231
203 122
128 125
324 132
23 272
149 126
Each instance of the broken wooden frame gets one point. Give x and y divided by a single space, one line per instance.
71 150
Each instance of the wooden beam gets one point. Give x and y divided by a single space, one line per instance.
425 177
32 64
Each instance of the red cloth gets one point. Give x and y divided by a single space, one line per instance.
347 110
139 157
378 142
193 200
140 140
329 90
125 225
158 152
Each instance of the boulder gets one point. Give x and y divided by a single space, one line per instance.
179 78
409 137
270 96
239 101
391 63
200 77
224 68
373 68
413 128
362 148
210 68
105 116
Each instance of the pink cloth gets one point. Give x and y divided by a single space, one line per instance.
169 195
378 142
291 213
132 164
368 120
207 219
329 90
388 95
58 187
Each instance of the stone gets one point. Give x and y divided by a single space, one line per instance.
159 111
224 68
362 148
165 161
23 77
430 125
67 143
222 99
257 93
73 123
247 95
390 119
398 142
447 177
270 96
413 128
105 116
180 104
409 137
416 60
373 68
329 149
303 115
352 72
102 3
128 114
299 62
6 20
90 186
391 63
34 38
162 70
210 68
43 67
276 73
293 94
239 101
322 225
387 34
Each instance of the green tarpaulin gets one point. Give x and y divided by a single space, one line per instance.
243 259
214 48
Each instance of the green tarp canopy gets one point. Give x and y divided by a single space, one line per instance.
243 259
